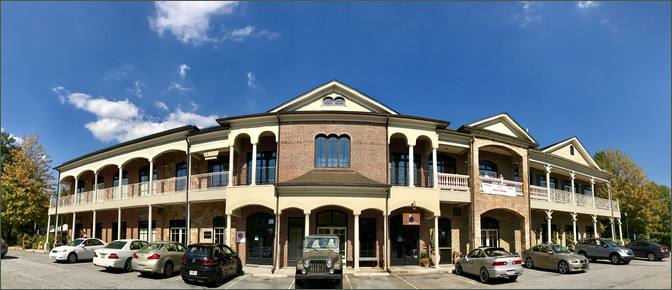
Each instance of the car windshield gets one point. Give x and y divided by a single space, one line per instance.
495 252
199 250
116 245
610 243
153 247
76 242
560 249
320 243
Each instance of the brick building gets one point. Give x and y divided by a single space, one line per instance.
335 161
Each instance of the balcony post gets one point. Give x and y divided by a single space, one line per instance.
74 216
58 200
356 248
611 209
254 164
435 173
437 256
306 229
49 224
121 176
150 238
592 189
228 230
93 225
573 175
77 194
230 181
151 178
574 215
548 181
594 226
549 216
95 187
411 167
620 231
118 223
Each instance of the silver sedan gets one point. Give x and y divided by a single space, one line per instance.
554 257
159 258
489 263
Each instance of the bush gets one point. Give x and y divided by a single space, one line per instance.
662 238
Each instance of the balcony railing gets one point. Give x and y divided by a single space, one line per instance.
538 192
210 180
500 186
561 196
265 175
169 185
583 200
453 181
65 200
602 203
84 197
565 197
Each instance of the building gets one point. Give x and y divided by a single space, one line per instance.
335 161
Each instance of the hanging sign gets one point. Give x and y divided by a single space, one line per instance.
411 219
498 188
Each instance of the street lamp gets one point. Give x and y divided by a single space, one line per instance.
627 228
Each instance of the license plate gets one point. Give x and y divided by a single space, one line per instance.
103 255
193 273
510 272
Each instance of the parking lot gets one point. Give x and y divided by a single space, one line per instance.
34 270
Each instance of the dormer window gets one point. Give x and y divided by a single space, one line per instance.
571 150
339 101
327 101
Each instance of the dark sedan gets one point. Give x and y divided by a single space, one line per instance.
649 250
210 263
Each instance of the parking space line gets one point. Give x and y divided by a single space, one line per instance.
234 282
402 279
348 280
290 285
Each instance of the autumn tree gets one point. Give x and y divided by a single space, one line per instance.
26 184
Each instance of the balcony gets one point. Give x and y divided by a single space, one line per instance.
500 186
453 181
207 181
565 197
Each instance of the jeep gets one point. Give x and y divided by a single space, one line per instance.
320 260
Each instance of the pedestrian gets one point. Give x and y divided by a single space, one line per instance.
83 234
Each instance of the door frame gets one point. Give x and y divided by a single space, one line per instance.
486 241
345 239
291 261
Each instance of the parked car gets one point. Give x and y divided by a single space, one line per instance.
209 263
78 249
649 250
320 260
554 257
599 248
159 258
4 247
489 263
118 254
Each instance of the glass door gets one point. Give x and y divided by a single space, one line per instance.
490 237
340 232
295 239
178 235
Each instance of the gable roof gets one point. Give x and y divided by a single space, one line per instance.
331 87
503 123
577 145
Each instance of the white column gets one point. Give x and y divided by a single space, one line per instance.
74 215
574 217
121 176
385 239
306 230
151 179
595 226
57 232
549 216
77 194
592 189
611 209
613 230
93 232
230 166
356 262
573 175
620 231
150 238
435 175
48 225
95 187
254 164
436 242
548 181
119 221
411 168
228 230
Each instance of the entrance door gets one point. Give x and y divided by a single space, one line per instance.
490 237
404 241
295 236
178 235
336 231
445 241
259 238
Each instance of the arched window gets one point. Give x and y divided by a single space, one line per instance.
332 151
487 168
327 101
571 149
339 101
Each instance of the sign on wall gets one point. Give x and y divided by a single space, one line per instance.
240 237
411 219
498 188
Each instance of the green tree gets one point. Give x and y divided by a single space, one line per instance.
638 196
7 143
26 184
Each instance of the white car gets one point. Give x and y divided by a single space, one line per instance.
118 254
79 249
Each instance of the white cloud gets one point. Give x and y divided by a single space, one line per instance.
183 70
161 105
123 120
528 15
121 73
137 89
176 87
587 4
268 34
241 34
61 92
251 80
188 21
193 105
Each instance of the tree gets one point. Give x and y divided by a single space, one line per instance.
638 196
26 184
7 143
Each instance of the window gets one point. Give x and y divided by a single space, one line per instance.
571 150
589 231
516 174
566 185
218 225
327 101
554 183
339 101
399 169
487 168
227 250
265 167
332 151
114 230
143 230
444 164
144 180
541 180
180 174
80 186
219 169
101 182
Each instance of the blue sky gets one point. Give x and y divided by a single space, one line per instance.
88 75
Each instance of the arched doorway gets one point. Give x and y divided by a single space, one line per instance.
334 222
445 241
405 242
489 232
260 233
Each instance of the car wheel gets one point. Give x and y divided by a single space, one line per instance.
128 267
484 276
168 270
528 263
651 257
615 259
563 267
219 278
458 269
513 278
72 258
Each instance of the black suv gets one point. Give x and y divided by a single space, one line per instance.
210 263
